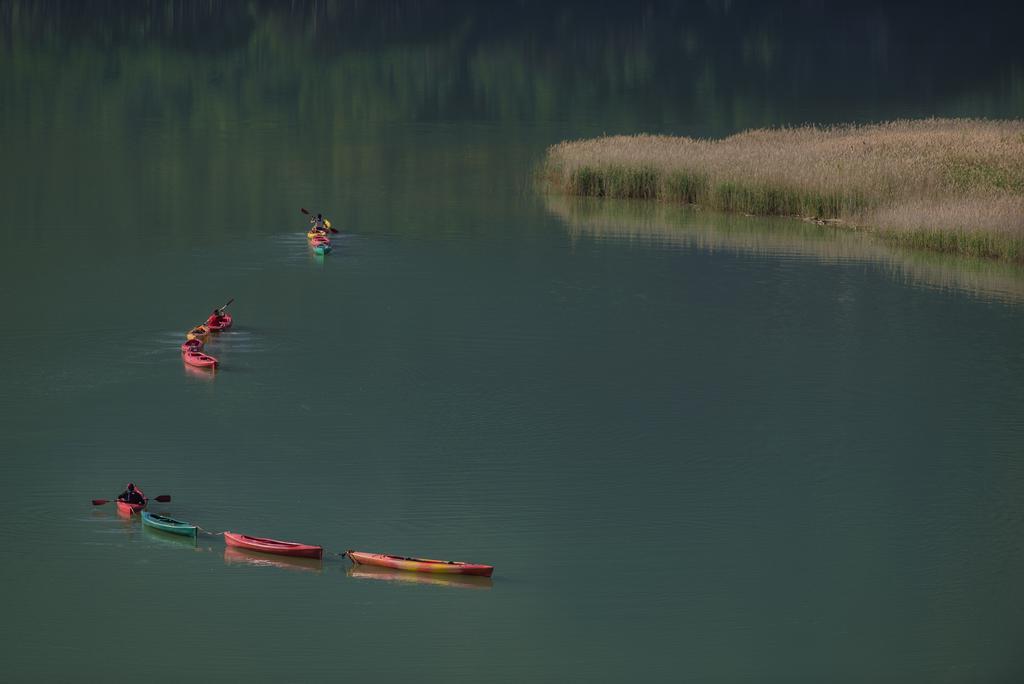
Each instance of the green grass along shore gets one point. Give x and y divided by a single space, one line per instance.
950 185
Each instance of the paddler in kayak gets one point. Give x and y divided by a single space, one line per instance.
132 495
318 222
216 318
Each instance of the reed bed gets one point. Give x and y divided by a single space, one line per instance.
952 185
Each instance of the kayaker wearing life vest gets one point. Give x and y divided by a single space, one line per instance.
216 318
132 495
318 222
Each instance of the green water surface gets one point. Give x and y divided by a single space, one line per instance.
695 447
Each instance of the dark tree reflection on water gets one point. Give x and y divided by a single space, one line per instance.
711 67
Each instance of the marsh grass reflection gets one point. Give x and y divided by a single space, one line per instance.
693 228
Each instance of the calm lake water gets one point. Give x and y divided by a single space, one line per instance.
695 447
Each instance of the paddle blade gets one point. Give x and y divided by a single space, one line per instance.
327 223
100 502
163 498
333 230
303 210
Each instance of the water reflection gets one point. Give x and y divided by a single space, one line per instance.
168 538
235 556
204 374
692 228
725 64
404 577
126 515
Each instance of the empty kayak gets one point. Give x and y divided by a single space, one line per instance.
162 522
130 508
218 324
281 548
322 248
420 564
200 332
199 359
191 345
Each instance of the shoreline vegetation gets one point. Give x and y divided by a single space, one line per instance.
948 185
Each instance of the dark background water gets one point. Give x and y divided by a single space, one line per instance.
757 454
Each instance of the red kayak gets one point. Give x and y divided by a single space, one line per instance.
199 359
216 324
420 564
129 508
281 548
193 345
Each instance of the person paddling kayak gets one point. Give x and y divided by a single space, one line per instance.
318 222
217 318
132 495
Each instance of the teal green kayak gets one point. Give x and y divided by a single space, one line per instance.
322 249
166 524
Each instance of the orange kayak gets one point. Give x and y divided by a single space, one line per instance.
128 509
420 564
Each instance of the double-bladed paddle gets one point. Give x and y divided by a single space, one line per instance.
221 309
326 222
163 498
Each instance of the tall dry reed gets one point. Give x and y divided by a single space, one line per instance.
947 184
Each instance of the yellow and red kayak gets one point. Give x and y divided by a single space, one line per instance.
200 332
420 564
